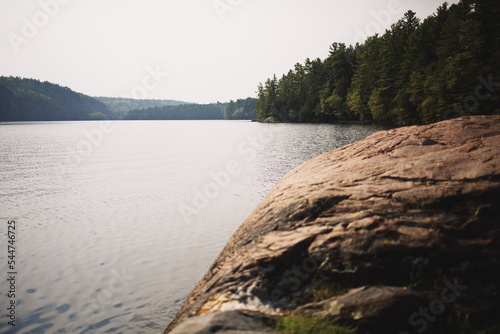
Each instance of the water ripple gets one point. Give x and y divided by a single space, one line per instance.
102 242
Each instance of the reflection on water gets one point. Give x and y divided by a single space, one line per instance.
105 244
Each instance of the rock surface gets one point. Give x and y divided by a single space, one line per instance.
394 233
229 322
273 119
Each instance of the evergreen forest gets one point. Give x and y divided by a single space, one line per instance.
443 67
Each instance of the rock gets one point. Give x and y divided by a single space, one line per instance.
230 322
381 308
404 222
272 119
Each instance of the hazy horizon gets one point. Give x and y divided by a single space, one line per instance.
197 52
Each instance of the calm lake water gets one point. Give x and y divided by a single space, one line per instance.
116 222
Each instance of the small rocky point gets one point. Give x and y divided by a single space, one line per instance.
397 233
272 119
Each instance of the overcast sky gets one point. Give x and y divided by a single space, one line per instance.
190 50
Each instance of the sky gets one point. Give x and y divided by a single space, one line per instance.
200 51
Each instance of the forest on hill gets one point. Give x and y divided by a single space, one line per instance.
242 109
33 100
119 106
416 72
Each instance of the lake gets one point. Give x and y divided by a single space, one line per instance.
117 221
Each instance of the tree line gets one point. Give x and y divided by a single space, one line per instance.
119 106
416 72
242 109
32 100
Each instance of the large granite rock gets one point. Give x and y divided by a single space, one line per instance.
397 233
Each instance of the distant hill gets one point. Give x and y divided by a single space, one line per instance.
119 105
180 112
243 109
33 100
